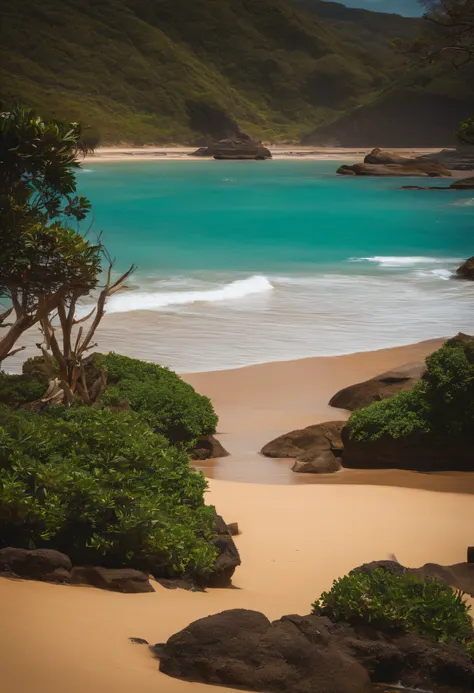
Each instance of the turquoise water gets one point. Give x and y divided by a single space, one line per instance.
280 259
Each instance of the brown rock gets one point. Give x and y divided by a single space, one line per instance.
381 387
316 448
227 561
240 149
125 580
233 529
208 447
323 463
416 169
463 184
242 649
45 565
466 270
382 156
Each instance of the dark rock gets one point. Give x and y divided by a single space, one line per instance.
470 554
346 170
415 169
138 641
420 452
316 448
125 580
242 649
227 560
178 584
381 387
304 654
392 567
463 184
466 270
459 576
45 565
208 447
240 146
202 151
382 156
233 529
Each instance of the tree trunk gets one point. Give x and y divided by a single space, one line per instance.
14 333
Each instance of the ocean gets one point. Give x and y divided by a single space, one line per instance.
247 262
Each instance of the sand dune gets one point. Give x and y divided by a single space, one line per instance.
295 538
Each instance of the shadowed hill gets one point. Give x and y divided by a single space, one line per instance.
155 71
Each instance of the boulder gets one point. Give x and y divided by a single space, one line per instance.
227 560
242 649
463 184
233 528
392 567
238 147
415 169
125 580
466 270
45 565
304 654
208 447
317 448
382 156
381 387
419 452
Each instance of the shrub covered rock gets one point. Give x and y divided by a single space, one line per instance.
430 427
168 404
104 489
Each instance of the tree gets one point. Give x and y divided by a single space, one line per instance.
42 259
465 133
452 30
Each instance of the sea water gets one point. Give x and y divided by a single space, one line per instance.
246 262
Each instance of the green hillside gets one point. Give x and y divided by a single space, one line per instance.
157 71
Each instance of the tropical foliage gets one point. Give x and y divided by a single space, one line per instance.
104 489
403 602
442 403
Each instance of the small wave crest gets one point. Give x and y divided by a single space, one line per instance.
402 261
157 300
440 273
464 203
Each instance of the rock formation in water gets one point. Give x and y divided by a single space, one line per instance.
316 449
381 387
466 270
413 169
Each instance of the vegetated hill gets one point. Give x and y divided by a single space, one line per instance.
155 71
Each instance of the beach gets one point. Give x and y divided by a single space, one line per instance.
296 537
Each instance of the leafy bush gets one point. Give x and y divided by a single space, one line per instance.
102 488
168 404
424 607
16 390
442 403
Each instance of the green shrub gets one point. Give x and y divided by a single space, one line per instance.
102 488
169 405
16 390
442 403
378 598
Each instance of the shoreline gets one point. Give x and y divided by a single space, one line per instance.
290 152
296 539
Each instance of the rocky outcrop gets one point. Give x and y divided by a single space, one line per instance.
459 159
466 270
302 654
242 147
383 156
419 452
413 169
463 184
376 389
125 580
316 449
208 447
45 565
242 649
228 558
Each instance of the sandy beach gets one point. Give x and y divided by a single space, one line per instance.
167 153
296 537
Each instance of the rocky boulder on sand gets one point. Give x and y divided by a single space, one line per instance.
207 447
304 654
45 565
125 580
235 148
381 387
463 184
317 448
415 169
242 649
466 270
227 559
382 156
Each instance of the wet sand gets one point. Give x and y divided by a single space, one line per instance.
296 538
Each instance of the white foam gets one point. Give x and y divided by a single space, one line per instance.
402 261
464 203
440 273
156 300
